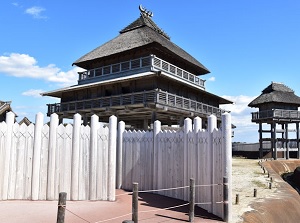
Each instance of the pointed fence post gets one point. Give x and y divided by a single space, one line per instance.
187 128
112 147
75 157
10 119
212 124
93 157
197 124
36 159
227 145
156 130
121 129
51 157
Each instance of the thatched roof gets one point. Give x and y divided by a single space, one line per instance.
26 121
278 93
140 33
5 107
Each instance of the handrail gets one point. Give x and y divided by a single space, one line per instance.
276 113
152 62
155 96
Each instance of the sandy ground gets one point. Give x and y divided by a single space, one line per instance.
248 175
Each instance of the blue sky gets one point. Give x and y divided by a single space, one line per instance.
245 44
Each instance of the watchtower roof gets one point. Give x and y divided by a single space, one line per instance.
278 93
140 33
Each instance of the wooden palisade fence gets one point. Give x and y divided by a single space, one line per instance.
89 162
168 159
37 161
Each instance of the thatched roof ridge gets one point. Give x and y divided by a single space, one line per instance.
278 93
142 32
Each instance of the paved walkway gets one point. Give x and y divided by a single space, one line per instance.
151 204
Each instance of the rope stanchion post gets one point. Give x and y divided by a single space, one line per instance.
225 198
61 207
192 200
135 199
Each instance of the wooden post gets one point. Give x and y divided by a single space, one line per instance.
112 149
260 141
75 157
156 164
121 129
237 199
52 157
61 207
297 136
135 199
227 145
254 193
186 168
212 124
10 118
287 141
192 200
225 199
36 159
93 157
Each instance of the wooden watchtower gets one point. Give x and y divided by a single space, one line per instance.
139 76
278 109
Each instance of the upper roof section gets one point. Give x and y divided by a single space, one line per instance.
141 33
278 93
145 20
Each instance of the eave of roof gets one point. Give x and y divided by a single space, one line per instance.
276 93
139 34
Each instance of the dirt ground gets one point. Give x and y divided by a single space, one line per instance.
248 175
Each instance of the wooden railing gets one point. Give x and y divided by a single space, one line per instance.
276 114
154 96
152 62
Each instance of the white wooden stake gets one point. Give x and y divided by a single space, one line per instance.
75 157
52 156
36 159
112 147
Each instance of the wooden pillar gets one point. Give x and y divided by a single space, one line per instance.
145 124
60 120
287 141
297 132
273 139
260 141
85 119
153 117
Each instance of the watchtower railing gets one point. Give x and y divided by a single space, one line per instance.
151 62
276 114
155 96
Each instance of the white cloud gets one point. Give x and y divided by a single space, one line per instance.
36 12
211 79
36 93
246 131
23 65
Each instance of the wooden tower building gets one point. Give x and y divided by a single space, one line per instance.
278 109
139 76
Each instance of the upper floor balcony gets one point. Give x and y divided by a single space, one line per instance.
276 114
144 99
143 64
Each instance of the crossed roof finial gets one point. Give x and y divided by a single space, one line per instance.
145 12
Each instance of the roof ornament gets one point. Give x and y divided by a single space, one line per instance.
145 12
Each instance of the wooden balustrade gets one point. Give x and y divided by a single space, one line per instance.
154 96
